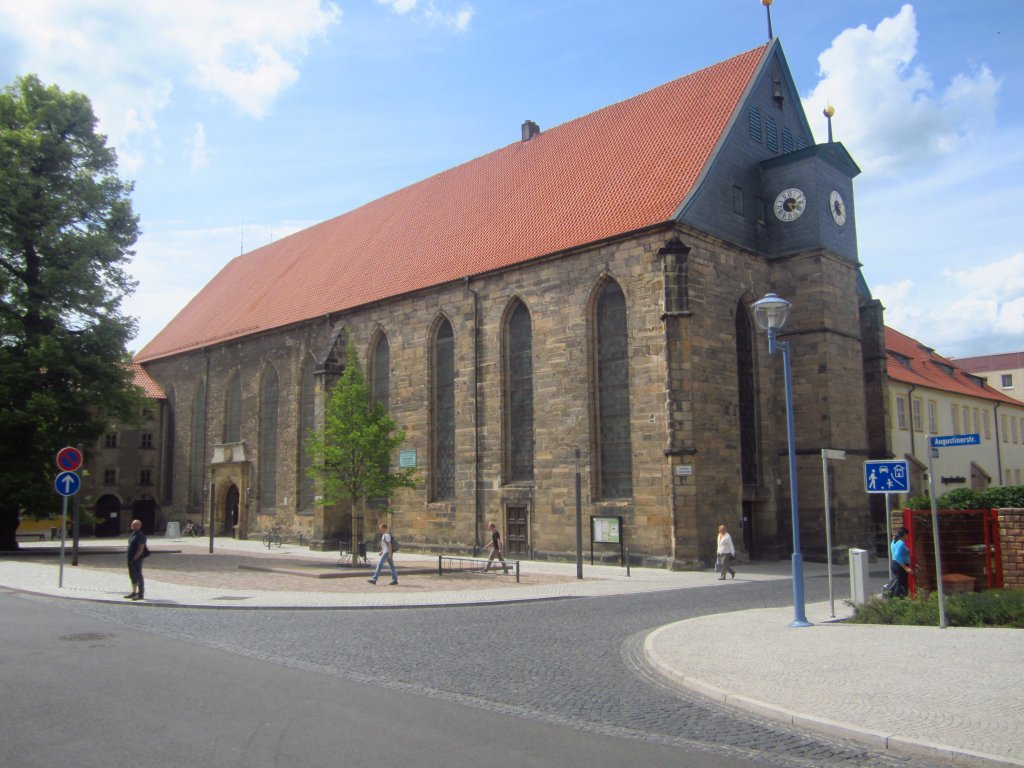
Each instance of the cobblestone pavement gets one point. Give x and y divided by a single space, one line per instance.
576 663
580 663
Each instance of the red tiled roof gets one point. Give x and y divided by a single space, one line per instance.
616 170
913 363
986 363
142 379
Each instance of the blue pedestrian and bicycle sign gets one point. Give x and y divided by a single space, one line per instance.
886 477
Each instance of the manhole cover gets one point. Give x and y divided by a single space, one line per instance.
86 637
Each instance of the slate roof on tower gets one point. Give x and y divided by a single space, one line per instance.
617 170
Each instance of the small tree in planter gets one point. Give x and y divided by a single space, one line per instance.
351 456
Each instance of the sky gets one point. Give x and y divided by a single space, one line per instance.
243 121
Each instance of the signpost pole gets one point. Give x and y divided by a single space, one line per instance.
579 522
63 528
932 450
826 454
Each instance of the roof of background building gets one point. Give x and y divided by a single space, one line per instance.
620 169
142 379
1001 362
911 362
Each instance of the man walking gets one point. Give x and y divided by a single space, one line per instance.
387 554
136 552
496 549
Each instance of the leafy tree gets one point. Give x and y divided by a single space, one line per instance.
66 230
352 455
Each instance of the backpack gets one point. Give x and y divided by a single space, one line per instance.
394 543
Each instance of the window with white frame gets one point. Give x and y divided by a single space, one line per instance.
915 406
933 428
901 412
955 413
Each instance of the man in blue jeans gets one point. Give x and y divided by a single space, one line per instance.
386 555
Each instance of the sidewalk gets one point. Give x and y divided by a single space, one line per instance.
946 694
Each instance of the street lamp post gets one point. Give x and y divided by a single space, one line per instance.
770 313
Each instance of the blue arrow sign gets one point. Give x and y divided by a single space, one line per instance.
67 483
886 477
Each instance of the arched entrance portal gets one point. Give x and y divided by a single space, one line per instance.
144 509
230 516
108 516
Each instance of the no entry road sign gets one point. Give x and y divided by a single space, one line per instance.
69 459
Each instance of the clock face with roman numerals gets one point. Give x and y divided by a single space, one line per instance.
789 204
837 207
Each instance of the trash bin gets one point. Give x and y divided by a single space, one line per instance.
858 576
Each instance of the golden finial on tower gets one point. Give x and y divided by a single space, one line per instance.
768 9
828 111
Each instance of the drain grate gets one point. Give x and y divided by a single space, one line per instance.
232 597
86 637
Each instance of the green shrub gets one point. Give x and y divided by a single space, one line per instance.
1008 496
992 608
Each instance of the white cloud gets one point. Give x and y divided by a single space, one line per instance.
399 6
459 20
456 20
195 150
889 112
982 303
130 57
171 265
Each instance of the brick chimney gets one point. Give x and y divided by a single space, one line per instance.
530 129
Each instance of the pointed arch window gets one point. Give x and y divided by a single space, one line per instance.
443 412
749 465
233 410
307 423
380 372
169 448
269 389
197 449
615 477
519 394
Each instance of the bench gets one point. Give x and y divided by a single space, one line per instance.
37 535
345 552
956 583
472 565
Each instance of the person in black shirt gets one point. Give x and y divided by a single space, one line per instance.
496 549
136 552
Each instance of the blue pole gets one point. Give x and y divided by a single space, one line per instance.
799 615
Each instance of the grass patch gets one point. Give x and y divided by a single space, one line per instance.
992 608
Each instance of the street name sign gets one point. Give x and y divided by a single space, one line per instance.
952 441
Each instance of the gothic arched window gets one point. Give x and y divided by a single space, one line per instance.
380 371
749 470
307 422
443 413
615 475
268 441
233 410
519 394
197 449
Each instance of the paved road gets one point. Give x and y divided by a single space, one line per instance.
574 663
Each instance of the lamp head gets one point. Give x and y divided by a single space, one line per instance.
770 313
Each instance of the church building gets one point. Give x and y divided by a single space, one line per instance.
582 292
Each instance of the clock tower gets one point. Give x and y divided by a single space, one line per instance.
809 196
